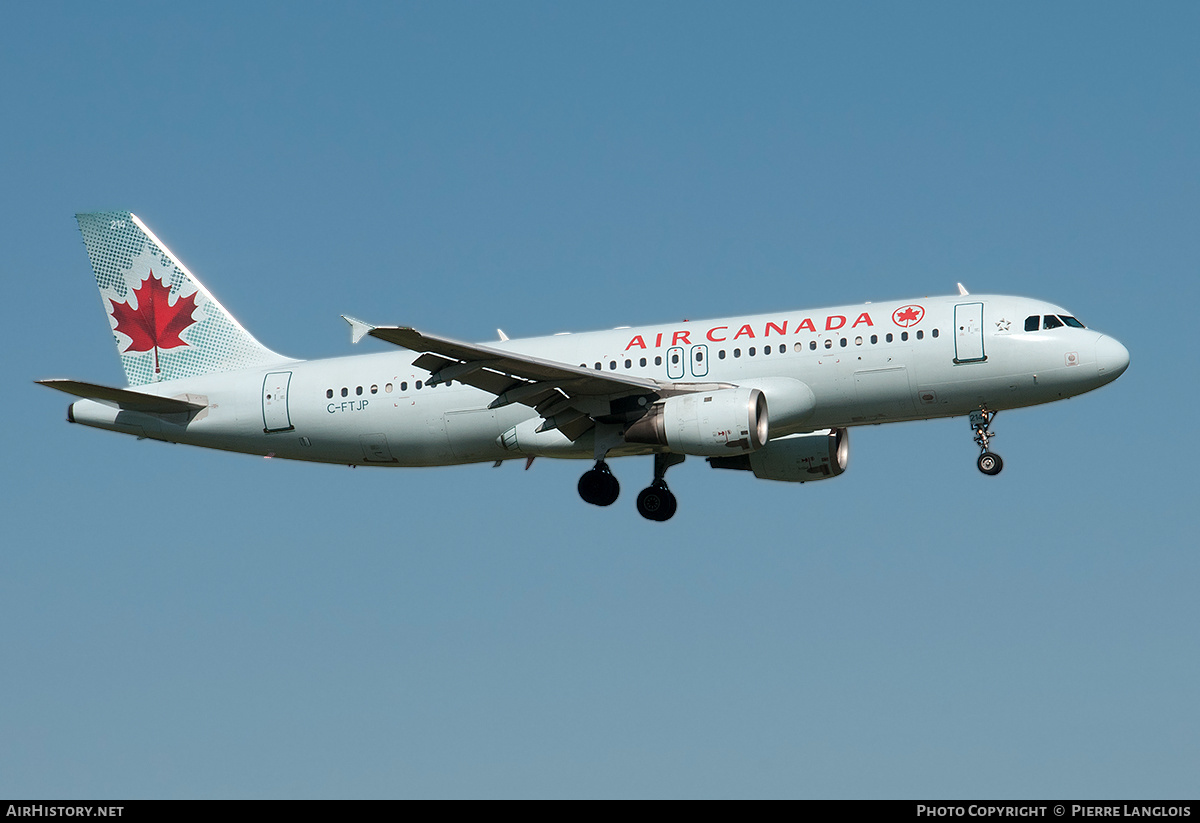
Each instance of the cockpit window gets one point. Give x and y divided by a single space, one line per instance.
1051 322
1032 322
1071 321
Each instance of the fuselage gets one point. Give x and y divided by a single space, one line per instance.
865 364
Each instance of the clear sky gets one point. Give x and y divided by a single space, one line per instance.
183 623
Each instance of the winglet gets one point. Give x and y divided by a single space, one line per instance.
962 289
358 329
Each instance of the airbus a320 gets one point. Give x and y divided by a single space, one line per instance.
773 394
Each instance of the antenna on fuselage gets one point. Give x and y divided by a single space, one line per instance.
962 289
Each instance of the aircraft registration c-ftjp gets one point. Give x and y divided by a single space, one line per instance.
772 394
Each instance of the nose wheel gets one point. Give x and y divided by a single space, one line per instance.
989 462
598 486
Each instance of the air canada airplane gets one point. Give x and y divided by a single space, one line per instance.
772 394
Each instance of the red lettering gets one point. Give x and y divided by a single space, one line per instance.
680 336
716 339
806 323
636 341
829 322
767 332
744 331
863 318
658 341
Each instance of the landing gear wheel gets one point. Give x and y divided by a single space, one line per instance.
990 463
598 486
657 503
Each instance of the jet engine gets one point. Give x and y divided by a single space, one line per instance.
797 458
726 421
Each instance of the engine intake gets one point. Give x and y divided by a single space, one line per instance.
726 421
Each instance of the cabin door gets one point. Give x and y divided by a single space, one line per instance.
275 402
968 333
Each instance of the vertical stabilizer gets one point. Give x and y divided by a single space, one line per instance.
166 324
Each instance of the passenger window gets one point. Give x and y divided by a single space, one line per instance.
597 367
920 334
889 337
799 347
612 365
699 357
828 344
1051 322
874 339
935 332
345 392
642 362
751 352
404 386
674 360
388 388
329 393
737 352
628 364
658 361
375 389
812 345
358 391
842 342
1031 322
858 341
904 335
721 354
418 384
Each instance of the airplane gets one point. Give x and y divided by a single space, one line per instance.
773 394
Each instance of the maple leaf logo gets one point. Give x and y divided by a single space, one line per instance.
155 323
906 316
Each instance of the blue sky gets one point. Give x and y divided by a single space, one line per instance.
181 623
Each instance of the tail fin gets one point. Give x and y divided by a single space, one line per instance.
166 324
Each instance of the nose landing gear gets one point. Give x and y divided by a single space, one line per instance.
989 462
656 502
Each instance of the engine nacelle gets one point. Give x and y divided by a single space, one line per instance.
725 421
797 458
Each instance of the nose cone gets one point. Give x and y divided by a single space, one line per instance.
1112 359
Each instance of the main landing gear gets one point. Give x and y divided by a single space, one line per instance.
598 486
655 502
989 462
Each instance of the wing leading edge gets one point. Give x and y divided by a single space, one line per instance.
567 397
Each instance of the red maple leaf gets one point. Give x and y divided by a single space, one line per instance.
907 316
155 323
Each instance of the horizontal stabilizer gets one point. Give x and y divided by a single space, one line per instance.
124 398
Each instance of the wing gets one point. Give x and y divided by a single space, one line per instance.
567 397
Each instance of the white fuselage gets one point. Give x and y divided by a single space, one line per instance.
865 364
